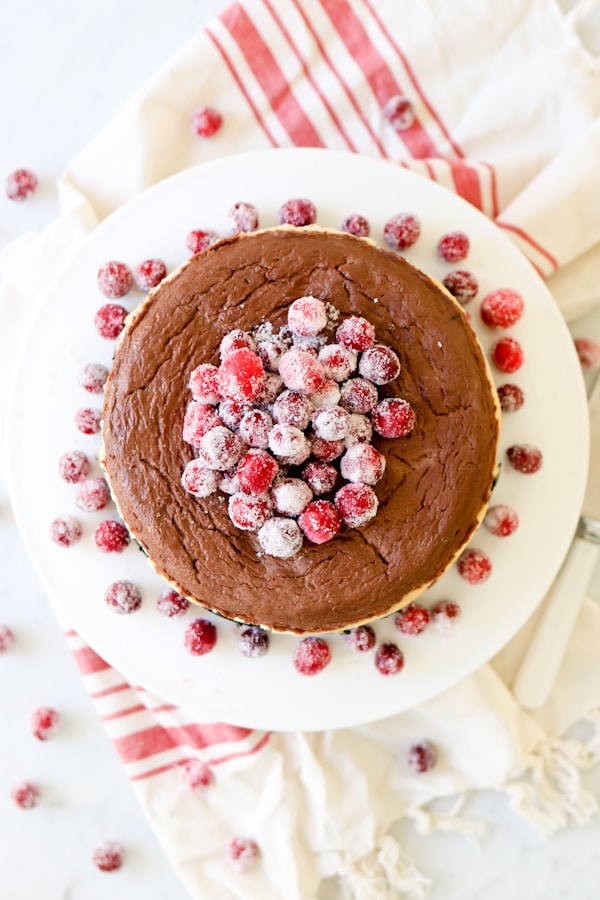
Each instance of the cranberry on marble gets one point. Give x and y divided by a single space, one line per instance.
7 638
44 723
206 121
402 231
311 656
21 184
123 597
108 856
297 211
25 794
200 637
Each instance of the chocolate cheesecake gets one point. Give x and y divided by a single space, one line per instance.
437 479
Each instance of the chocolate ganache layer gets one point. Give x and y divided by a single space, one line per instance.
437 480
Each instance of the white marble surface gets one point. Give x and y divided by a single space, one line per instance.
66 67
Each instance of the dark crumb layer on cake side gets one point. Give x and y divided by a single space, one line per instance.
437 480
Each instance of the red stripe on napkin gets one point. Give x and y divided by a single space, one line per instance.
140 745
527 237
88 661
213 762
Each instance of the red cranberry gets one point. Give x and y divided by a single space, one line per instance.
204 384
21 184
462 284
206 121
361 639
255 428
402 231
399 112
525 458
114 279
199 240
507 354
88 420
123 597
379 364
92 378
242 217
320 476
171 604
393 418
270 390
359 430
422 757
111 536
588 352
502 308
200 637
454 246
73 466
280 537
474 566
358 396
108 856
199 480
511 397
287 440
355 224
328 394
92 494
445 614
233 411
44 723
326 451
199 419
236 340
249 513
330 423
220 449
241 375
241 853
149 273
291 496
197 775
7 638
65 530
307 316
301 371
253 641
297 212
357 504
110 321
25 794
412 620
320 521
311 656
256 472
270 352
228 482
355 334
389 659
338 362
501 520
362 462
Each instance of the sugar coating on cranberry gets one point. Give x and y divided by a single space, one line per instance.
320 521
330 423
301 371
307 316
297 211
311 655
379 364
320 477
271 388
92 494
25 794
65 530
236 340
454 246
462 284
329 394
361 638
422 757
228 482
220 448
198 479
291 496
280 537
287 440
87 420
357 225
358 396
588 351
326 451
511 397
200 239
200 637
241 375
197 775
444 615
242 217
115 279
362 463
389 659
199 419
73 466
108 856
412 620
255 428
360 430
206 121
338 361
204 384
393 417
21 184
123 597
356 503
149 273
270 352
502 308
241 853
110 321
256 472
402 231
249 513
171 604
253 642
92 378
501 520
44 723
474 565
233 411
7 638
525 458
356 334
111 536
507 354
399 112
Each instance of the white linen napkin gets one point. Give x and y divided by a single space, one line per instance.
508 105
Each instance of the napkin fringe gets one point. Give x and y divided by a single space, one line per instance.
382 874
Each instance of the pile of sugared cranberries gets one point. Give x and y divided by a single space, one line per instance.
284 424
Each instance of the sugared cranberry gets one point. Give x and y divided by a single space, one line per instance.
320 476
271 388
199 419
330 423
108 856
7 638
474 566
110 321
311 655
422 757
171 604
360 430
44 723
236 340
200 239
241 375
197 775
393 418
356 503
233 411
65 530
123 597
501 520
228 482
21 184
114 279
73 466
255 428
379 364
320 521
326 450
241 853
256 472
270 352
288 441
454 246
363 463
242 217
511 397
291 496
301 371
92 494
507 354
297 212
502 308
198 479
402 231
25 795
412 620
445 614
204 384
249 513
328 394
307 316
200 637
361 639
389 659
87 421
253 641
220 449
338 362
462 284
358 396
280 537
357 225
206 121
92 378
356 334
399 112
588 351
149 273
110 536
525 458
